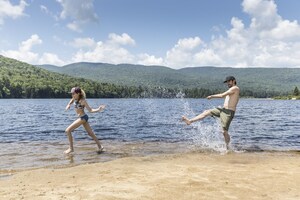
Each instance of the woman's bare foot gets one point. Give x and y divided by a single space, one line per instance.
69 150
100 150
186 120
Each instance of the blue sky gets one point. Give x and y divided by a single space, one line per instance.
177 34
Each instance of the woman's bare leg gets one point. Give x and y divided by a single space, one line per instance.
69 130
92 135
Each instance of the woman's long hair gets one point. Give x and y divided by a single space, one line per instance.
82 95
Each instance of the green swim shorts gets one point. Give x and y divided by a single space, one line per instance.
225 115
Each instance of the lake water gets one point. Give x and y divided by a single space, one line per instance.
32 130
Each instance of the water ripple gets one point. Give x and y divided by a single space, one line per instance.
29 127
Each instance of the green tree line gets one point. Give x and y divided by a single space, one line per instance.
21 80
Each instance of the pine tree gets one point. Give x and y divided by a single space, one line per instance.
296 91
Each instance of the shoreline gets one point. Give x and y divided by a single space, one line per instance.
261 175
85 154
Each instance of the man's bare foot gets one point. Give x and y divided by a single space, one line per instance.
186 120
69 150
228 147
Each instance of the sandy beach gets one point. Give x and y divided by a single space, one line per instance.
179 176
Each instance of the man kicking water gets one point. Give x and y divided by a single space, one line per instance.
226 113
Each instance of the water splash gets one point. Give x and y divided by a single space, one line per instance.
186 106
203 135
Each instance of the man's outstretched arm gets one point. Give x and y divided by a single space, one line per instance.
230 91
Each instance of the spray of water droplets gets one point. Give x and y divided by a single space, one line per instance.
204 135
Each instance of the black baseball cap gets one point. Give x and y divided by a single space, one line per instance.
229 78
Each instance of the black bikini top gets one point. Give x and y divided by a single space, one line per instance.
78 105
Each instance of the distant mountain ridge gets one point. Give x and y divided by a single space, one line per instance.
22 80
272 80
124 74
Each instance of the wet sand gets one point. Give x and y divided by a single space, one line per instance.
177 176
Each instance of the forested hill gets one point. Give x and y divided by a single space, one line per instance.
268 79
257 82
21 80
125 74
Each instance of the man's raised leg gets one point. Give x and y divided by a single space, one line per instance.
197 118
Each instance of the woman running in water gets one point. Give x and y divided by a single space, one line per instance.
79 100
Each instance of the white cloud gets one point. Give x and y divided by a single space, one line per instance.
79 12
52 59
268 41
286 30
263 12
25 53
74 26
109 51
182 54
83 43
123 39
28 44
207 57
146 59
11 11
104 53
46 10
